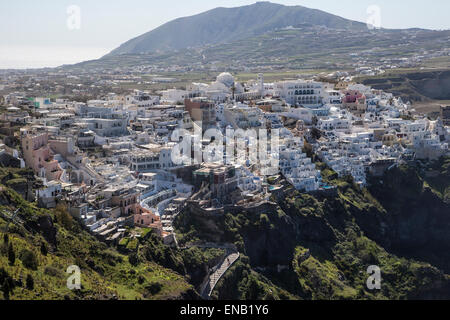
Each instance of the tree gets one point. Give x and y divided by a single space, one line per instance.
133 259
7 286
154 288
254 288
29 282
307 148
44 249
29 259
233 91
3 275
6 238
11 254
63 217
69 173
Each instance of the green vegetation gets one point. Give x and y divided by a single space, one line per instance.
133 244
29 259
320 280
437 177
241 282
303 246
35 255
145 232
124 242
29 282
326 242
11 254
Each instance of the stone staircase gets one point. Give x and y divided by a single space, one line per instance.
229 260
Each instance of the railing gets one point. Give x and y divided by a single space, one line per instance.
159 197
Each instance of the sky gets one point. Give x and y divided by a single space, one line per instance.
49 33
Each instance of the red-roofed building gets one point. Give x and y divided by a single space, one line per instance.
355 102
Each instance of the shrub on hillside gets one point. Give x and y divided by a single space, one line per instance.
29 259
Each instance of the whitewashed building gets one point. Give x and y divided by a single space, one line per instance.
301 92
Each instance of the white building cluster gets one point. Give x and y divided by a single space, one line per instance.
112 158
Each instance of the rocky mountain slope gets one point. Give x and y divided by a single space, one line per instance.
301 246
304 46
223 25
320 246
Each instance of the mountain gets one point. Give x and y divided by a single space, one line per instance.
222 25
267 36
304 46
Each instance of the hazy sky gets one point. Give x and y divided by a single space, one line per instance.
43 33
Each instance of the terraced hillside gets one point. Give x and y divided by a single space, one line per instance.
222 25
303 46
414 86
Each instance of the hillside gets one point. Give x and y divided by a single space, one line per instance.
268 36
223 25
322 242
416 86
303 47
37 249
38 245
325 242
302 246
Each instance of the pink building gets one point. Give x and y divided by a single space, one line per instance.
127 200
355 102
38 156
146 218
351 96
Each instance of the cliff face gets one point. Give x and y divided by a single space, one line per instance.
39 245
301 246
417 201
320 246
